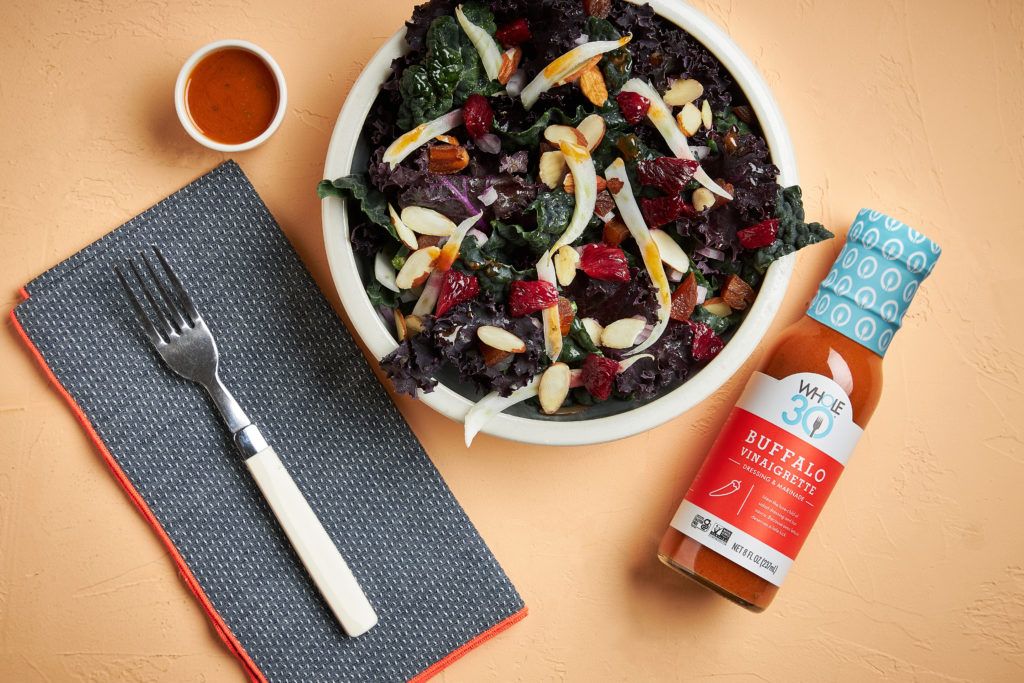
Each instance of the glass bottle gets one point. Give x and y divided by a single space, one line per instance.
776 459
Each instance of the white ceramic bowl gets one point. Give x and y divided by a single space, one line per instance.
347 153
181 106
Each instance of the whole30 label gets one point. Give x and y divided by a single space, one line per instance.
770 471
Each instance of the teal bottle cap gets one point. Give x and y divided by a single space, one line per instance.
874 279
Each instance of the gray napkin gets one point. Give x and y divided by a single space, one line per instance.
296 371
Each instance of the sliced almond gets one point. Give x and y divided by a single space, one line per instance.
447 139
689 119
500 339
593 328
413 325
683 91
569 184
593 128
593 87
671 253
622 334
736 293
406 235
447 159
706 116
717 306
509 63
418 267
578 73
557 134
553 167
554 387
702 199
427 221
401 329
566 260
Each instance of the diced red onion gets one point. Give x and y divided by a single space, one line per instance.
575 379
674 275
489 143
489 196
712 253
481 238
584 38
644 333
515 83
702 294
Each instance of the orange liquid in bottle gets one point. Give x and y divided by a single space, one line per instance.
806 346
780 452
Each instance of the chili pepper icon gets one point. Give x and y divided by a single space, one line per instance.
726 490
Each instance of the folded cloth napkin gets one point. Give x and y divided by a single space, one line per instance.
296 371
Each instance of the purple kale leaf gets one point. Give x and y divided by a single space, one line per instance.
646 378
607 301
415 363
458 196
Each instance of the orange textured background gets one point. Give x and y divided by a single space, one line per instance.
916 570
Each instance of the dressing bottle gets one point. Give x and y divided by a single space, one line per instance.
791 434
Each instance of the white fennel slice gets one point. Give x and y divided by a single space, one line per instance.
409 142
634 220
384 272
492 404
565 65
584 189
428 297
450 250
485 46
552 321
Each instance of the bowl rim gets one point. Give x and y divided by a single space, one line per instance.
181 106
379 341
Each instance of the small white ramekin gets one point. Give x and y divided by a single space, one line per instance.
181 106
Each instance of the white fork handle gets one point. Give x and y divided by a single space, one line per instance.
316 550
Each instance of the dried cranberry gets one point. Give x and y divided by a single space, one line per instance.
515 32
597 8
661 210
529 296
760 235
633 105
456 287
599 375
604 262
668 174
706 344
477 116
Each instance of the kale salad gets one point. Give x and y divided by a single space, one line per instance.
567 201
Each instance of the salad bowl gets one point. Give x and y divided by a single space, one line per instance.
610 420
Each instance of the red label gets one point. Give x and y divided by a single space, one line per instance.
764 481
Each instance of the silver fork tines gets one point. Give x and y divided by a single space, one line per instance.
176 329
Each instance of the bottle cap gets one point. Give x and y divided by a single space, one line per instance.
874 279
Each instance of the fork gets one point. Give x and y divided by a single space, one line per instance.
179 334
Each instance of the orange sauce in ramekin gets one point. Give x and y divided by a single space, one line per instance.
231 96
